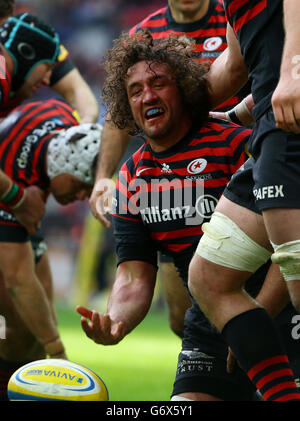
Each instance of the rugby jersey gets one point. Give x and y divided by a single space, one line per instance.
64 66
258 27
209 34
5 82
163 198
8 103
24 137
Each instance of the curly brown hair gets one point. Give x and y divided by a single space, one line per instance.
177 53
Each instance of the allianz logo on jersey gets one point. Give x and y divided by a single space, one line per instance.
193 215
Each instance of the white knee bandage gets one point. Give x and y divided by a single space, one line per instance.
287 256
225 244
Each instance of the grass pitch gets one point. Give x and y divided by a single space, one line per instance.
140 368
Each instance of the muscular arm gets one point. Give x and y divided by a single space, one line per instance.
73 88
128 304
228 73
286 97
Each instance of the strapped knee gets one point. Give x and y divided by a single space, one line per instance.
225 244
287 256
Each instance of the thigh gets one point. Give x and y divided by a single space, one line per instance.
250 222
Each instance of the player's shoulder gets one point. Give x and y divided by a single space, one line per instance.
130 166
149 20
219 125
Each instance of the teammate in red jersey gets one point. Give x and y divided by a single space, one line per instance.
64 78
22 71
265 190
165 193
41 144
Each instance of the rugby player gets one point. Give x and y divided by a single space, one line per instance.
267 186
204 21
41 144
157 89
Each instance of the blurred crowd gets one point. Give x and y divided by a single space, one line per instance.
87 29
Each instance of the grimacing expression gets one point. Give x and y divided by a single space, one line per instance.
155 100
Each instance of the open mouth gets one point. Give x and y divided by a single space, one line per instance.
153 112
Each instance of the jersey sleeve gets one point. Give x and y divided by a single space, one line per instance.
133 241
239 147
232 145
5 82
64 66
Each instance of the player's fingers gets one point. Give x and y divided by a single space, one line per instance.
289 122
86 327
104 221
85 312
118 332
106 325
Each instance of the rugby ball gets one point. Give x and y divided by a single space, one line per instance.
55 380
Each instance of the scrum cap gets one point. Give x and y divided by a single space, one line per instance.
29 41
74 151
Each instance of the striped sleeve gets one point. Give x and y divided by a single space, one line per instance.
133 241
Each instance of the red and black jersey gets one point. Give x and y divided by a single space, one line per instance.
258 26
162 199
209 33
5 81
24 136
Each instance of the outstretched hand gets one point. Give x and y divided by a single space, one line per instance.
100 328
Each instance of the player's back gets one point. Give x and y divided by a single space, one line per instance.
258 27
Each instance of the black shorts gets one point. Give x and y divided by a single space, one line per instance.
11 231
273 174
205 372
163 258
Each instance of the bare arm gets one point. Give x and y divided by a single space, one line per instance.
129 303
114 143
286 97
31 208
228 73
29 296
74 89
